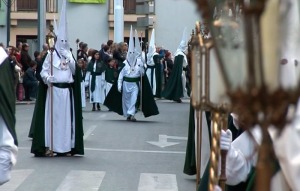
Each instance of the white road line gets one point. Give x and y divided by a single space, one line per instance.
17 178
123 150
89 131
78 180
157 182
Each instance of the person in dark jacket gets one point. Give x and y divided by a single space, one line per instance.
30 82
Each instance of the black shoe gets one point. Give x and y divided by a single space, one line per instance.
67 154
128 118
94 109
132 119
178 100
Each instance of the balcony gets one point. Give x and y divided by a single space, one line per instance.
27 6
27 10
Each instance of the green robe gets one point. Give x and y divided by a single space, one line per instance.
174 88
158 75
38 125
111 75
190 167
114 99
8 98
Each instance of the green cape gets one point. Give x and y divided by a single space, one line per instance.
174 89
8 98
190 167
113 100
37 129
158 75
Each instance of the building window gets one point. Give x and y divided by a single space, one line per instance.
27 5
129 6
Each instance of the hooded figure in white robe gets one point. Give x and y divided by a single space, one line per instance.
129 80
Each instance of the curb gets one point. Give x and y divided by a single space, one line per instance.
25 102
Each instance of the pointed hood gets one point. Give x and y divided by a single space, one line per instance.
55 26
288 79
3 55
131 56
183 43
62 33
137 45
151 49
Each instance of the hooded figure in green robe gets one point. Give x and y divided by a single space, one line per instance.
8 138
59 130
176 86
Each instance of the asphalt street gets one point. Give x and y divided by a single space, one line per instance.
147 155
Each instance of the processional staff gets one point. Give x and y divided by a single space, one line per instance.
51 43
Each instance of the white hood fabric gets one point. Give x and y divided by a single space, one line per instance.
151 49
3 55
62 42
183 43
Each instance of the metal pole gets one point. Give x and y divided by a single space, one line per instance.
118 21
199 146
8 22
51 106
41 23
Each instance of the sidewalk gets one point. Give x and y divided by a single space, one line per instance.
24 102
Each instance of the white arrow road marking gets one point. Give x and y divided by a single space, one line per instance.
163 141
178 138
157 182
78 180
17 178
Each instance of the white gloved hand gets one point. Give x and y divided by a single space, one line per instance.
217 188
86 83
68 59
64 53
119 89
225 140
51 79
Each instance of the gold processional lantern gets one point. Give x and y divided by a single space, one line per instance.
247 52
208 94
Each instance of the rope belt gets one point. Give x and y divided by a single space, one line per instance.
62 85
150 67
96 73
127 79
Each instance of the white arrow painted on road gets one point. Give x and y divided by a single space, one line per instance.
163 141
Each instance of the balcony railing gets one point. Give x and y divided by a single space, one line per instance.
32 6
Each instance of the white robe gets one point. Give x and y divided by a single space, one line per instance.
205 148
8 152
151 74
242 156
98 95
82 88
130 90
107 88
63 130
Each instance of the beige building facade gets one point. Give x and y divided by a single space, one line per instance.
94 23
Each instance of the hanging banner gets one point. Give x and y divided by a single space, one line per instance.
87 1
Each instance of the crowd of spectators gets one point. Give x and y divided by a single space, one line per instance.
26 70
